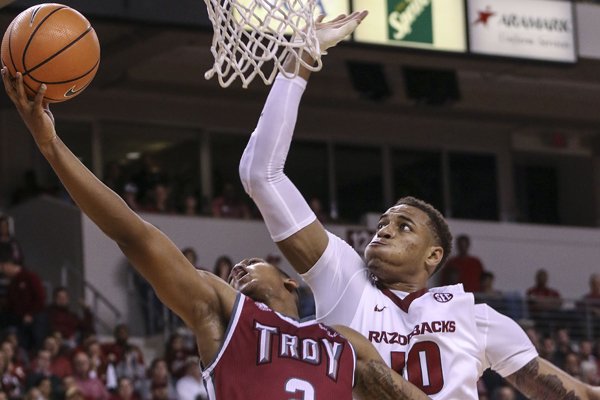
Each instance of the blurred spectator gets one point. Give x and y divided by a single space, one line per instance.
98 362
488 294
532 333
589 307
73 393
508 303
33 394
9 382
124 390
548 349
572 365
176 355
592 299
113 177
149 176
192 256
60 364
229 204
564 346
130 195
589 363
40 370
158 377
190 386
28 189
44 385
223 267
160 392
152 308
25 295
21 354
504 392
7 239
4 281
8 245
190 205
14 367
463 268
91 388
127 357
543 302
58 317
317 207
158 200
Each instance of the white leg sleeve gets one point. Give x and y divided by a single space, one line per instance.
283 207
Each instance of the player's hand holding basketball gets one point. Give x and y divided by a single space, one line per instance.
35 113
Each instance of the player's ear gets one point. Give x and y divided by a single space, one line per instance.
290 284
434 257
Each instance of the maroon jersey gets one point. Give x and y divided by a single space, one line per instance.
266 355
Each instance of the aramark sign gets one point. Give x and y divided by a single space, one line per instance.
536 29
427 24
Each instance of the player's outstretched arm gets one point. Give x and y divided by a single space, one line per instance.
291 223
176 282
539 379
374 380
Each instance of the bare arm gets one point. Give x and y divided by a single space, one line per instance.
374 380
539 379
175 280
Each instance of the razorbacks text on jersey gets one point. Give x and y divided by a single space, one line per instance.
438 339
266 355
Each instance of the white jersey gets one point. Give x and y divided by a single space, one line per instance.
438 339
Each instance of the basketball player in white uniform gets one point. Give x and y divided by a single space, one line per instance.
438 338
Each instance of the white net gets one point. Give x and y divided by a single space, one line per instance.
254 37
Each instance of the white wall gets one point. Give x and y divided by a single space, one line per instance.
513 252
106 267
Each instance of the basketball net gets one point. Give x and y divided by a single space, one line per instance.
254 37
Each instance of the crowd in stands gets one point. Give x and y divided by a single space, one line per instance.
148 188
51 352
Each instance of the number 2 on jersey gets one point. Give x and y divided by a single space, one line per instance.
424 366
295 385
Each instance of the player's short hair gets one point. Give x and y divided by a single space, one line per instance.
437 224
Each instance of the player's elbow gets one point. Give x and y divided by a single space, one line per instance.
254 175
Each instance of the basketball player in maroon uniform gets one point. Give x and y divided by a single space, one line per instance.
250 343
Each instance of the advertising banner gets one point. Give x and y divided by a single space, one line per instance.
427 24
535 29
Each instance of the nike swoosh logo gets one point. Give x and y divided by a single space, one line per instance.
72 91
377 309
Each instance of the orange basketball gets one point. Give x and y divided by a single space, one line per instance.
52 44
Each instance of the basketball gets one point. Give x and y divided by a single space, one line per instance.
52 44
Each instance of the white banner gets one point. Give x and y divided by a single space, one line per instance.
535 29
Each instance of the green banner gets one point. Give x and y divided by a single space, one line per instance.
410 21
